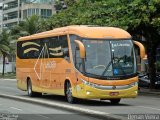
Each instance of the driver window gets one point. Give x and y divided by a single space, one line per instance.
78 60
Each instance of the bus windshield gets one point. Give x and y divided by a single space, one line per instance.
109 57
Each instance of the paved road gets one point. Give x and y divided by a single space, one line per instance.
139 105
26 111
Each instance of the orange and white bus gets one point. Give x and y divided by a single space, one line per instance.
79 62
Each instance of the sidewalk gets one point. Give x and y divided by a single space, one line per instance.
145 91
7 79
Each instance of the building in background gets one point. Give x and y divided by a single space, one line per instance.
14 11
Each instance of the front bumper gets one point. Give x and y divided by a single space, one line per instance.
88 92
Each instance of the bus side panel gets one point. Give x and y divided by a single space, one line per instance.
20 75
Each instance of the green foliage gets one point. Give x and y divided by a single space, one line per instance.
31 25
127 14
5 45
4 42
58 5
70 2
8 76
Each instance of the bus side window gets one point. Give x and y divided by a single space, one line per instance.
64 44
54 48
78 59
19 49
28 51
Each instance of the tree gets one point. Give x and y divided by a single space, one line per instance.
83 12
70 2
31 25
58 5
4 46
18 31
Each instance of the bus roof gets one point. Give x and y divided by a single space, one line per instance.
83 31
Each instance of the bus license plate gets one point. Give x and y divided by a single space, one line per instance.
114 93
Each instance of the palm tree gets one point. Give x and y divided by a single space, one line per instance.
18 31
4 46
31 25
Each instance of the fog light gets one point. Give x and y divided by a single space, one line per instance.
136 91
88 92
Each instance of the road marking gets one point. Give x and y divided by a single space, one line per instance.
149 107
44 116
67 107
16 108
57 104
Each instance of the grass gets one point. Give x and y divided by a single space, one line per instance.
8 76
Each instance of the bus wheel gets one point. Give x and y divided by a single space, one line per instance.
115 101
68 92
30 92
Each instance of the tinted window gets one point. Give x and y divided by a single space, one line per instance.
75 52
53 47
58 47
29 49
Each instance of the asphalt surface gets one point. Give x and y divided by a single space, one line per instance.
139 105
28 111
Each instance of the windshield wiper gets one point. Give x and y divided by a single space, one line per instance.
107 68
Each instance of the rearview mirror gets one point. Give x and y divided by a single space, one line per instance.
81 48
142 50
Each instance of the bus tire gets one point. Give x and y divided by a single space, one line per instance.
30 92
115 101
68 93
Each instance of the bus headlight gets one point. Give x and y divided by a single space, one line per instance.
84 81
134 84
88 83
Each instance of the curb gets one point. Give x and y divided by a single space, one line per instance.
143 91
7 79
88 112
148 93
